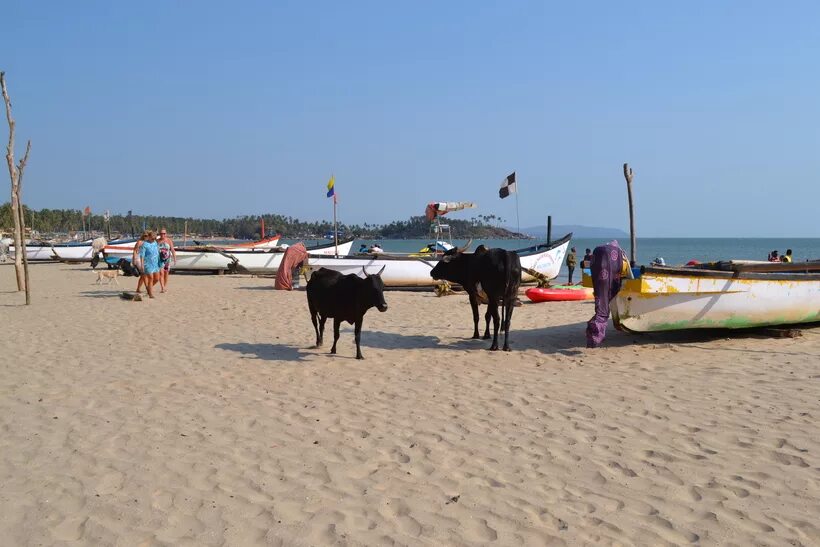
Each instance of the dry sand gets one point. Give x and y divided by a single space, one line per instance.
204 417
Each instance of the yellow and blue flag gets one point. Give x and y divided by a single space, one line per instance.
331 187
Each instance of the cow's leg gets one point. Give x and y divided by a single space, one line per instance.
336 323
508 310
493 305
474 306
315 327
487 323
358 333
322 319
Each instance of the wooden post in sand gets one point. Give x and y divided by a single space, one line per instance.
16 174
633 246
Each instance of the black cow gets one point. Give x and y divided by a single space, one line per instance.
344 298
495 271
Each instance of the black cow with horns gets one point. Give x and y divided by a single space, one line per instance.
495 271
344 298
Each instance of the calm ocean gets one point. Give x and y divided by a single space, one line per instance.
675 251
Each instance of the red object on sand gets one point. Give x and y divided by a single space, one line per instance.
556 295
295 254
692 263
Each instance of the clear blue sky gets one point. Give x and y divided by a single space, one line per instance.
218 109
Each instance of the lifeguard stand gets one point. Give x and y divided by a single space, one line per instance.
435 211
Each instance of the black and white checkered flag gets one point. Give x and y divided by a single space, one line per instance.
508 186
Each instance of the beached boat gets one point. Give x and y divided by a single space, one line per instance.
83 251
267 261
217 259
187 258
414 271
265 243
37 251
733 295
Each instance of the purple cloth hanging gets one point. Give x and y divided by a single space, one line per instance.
607 261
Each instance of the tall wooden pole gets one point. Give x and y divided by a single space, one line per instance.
335 230
21 166
549 229
633 245
16 204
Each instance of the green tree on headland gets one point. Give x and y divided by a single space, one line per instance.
51 221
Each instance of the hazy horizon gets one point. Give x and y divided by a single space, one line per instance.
195 110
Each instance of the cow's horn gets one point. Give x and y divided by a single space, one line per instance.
380 271
466 246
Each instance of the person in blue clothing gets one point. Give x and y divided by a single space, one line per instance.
149 255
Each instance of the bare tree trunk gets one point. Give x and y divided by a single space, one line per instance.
20 168
15 205
16 175
633 245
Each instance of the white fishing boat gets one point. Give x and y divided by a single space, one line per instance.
36 251
84 251
267 261
732 295
216 259
414 271
271 242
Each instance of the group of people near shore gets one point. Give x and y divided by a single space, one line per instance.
775 257
153 255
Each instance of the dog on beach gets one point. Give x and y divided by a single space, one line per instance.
110 275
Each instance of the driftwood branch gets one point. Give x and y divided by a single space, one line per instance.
21 166
15 174
632 239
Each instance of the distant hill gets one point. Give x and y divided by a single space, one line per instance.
581 232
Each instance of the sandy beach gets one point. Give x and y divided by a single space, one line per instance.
206 417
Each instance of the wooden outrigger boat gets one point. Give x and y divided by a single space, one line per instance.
37 252
84 251
732 295
265 243
414 271
217 259
268 261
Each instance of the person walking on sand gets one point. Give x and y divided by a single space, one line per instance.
167 253
136 261
572 261
608 263
149 253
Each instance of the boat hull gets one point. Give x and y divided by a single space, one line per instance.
661 301
85 252
404 271
267 262
36 253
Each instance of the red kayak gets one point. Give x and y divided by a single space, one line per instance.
554 294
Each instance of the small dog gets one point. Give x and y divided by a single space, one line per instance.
110 275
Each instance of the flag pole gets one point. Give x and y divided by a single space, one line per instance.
335 230
517 219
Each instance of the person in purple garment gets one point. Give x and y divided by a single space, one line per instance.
607 265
